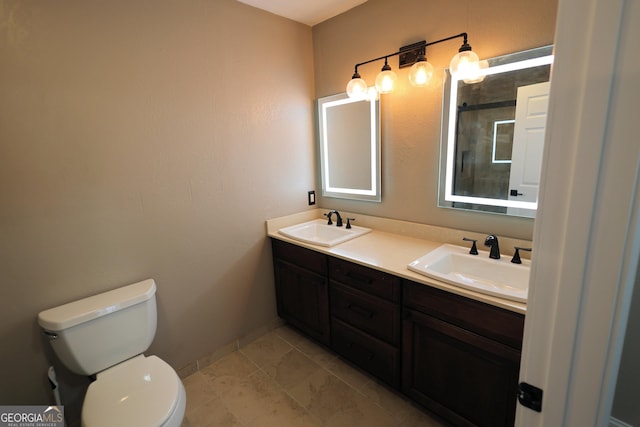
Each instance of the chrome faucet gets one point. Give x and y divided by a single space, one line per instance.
338 218
492 240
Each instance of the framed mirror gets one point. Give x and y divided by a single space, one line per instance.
349 140
493 135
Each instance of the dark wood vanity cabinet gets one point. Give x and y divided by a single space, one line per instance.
458 357
365 318
461 357
302 289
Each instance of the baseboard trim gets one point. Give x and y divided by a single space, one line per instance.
219 353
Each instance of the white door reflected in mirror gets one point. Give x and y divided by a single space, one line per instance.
528 143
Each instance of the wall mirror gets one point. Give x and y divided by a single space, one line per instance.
493 135
349 139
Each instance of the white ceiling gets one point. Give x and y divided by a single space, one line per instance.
310 12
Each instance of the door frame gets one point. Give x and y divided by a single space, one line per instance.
586 237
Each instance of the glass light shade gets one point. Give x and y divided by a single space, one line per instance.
464 64
475 76
357 88
421 73
385 81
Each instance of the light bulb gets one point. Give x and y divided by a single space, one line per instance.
421 73
357 88
476 75
385 81
464 64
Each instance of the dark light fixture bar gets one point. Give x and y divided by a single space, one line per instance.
409 55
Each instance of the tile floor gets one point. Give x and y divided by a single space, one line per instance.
284 379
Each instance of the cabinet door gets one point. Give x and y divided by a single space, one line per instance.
468 379
303 299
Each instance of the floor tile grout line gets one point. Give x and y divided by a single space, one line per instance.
336 357
370 379
299 343
279 386
304 408
320 366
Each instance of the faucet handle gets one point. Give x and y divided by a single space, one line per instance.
328 215
349 222
474 248
516 256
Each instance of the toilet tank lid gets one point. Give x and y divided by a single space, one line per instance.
77 312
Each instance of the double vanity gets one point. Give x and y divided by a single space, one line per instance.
390 298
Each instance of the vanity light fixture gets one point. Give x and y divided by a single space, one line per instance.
464 64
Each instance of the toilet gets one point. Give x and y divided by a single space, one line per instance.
105 335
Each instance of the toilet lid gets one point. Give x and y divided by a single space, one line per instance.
139 392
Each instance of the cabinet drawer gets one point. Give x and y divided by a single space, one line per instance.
371 354
302 257
492 322
374 315
367 279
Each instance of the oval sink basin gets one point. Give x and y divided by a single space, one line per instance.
317 232
498 277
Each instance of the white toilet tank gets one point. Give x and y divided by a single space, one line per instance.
95 333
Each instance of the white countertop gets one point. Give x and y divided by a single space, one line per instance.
390 251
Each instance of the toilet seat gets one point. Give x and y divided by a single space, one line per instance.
142 391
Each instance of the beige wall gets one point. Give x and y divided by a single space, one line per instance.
129 149
146 139
411 116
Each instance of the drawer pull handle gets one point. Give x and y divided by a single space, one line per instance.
360 311
369 355
359 277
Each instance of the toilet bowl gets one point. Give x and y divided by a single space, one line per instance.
143 391
105 335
